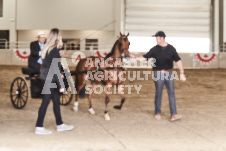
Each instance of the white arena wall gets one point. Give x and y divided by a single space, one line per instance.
82 14
79 18
105 38
190 60
21 16
25 18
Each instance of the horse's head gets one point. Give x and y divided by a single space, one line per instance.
124 44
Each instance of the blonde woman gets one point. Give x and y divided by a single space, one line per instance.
50 52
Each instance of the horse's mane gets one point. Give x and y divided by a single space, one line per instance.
112 50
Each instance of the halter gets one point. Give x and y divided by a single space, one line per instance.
120 44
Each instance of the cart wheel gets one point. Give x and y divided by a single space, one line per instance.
19 92
65 99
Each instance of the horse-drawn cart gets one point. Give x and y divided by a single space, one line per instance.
19 90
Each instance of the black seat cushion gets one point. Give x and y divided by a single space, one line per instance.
29 71
25 70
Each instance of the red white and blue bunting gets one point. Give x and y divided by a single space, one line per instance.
205 58
22 54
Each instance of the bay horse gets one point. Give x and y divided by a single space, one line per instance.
105 72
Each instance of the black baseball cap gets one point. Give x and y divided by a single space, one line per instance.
160 34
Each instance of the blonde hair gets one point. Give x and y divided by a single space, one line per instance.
54 40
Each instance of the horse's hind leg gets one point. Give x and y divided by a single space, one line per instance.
79 87
91 111
107 100
80 82
75 107
120 89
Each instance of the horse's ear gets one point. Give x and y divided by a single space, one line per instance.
127 35
120 33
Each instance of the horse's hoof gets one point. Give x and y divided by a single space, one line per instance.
117 107
107 117
76 104
75 109
91 111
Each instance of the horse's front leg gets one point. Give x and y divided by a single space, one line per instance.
121 93
107 100
91 111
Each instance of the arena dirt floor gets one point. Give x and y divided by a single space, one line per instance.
201 101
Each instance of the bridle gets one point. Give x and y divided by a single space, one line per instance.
120 44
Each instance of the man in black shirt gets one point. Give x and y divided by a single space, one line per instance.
164 54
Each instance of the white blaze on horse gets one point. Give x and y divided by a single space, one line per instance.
107 71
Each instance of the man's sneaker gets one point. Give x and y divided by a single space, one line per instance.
64 127
42 131
175 117
158 116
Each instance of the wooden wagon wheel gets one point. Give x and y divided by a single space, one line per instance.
65 99
19 92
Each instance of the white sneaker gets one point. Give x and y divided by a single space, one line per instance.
64 127
158 116
175 117
42 131
91 111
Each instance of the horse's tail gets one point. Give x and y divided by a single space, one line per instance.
82 91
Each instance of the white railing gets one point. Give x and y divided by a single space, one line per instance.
13 45
4 44
223 47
